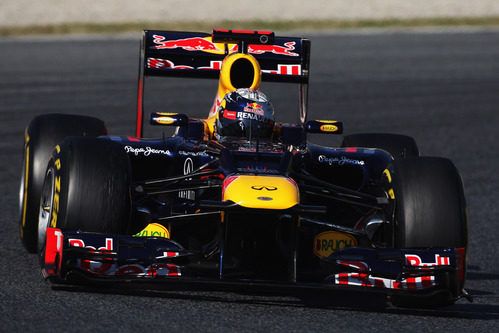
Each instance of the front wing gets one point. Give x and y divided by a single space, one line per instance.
98 257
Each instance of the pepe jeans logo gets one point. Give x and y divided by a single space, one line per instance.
339 160
261 187
146 151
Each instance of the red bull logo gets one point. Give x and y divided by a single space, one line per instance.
275 49
254 108
205 44
188 44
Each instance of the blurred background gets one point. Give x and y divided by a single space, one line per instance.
27 16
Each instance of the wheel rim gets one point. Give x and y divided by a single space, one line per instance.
46 204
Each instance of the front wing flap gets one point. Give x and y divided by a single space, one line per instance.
111 257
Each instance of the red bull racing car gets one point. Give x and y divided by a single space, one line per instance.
236 197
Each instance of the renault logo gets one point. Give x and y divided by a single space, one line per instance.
261 187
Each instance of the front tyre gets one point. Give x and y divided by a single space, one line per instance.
430 212
42 134
87 188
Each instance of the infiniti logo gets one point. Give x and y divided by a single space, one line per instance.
261 187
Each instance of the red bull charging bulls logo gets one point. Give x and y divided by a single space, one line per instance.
205 44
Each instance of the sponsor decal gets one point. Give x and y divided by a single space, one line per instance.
285 70
275 49
254 107
188 168
168 254
329 128
264 187
165 120
341 160
366 280
214 65
205 44
328 242
265 198
154 230
230 114
187 44
76 242
158 269
250 115
158 63
193 153
146 151
415 260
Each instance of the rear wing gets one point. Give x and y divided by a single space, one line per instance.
200 55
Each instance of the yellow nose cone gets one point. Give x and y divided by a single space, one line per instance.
262 192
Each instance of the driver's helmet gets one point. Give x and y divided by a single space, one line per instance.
245 113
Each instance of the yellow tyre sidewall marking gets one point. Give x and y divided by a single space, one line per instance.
26 174
56 190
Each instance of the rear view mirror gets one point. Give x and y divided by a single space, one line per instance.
324 126
169 119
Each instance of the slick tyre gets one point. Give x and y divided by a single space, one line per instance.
42 134
430 212
399 146
87 188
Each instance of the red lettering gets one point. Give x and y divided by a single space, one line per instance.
76 242
413 260
109 245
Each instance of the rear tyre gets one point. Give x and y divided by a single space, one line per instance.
42 134
87 188
399 146
430 212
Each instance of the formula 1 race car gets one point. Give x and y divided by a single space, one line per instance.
238 198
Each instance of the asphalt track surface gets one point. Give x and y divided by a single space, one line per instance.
442 88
